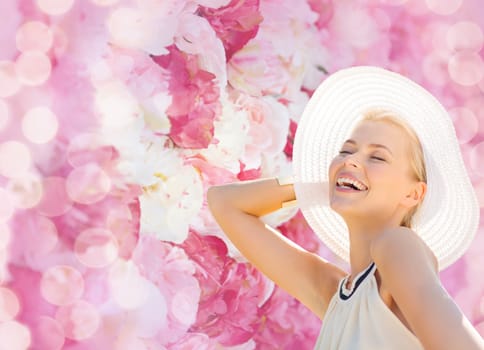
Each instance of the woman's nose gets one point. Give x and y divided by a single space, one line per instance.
352 160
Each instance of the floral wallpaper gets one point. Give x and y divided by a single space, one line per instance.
117 115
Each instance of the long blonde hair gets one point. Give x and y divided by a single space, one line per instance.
417 162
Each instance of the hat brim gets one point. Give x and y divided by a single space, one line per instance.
449 216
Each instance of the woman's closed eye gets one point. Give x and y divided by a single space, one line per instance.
375 157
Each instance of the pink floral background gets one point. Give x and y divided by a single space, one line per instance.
117 115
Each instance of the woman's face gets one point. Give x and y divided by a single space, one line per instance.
371 176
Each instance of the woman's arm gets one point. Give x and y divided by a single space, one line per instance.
410 276
237 208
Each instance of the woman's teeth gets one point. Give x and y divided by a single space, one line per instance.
350 183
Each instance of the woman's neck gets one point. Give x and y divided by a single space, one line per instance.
361 237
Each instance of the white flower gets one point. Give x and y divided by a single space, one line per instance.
318 56
276 60
277 165
136 28
155 112
230 131
297 105
213 3
116 105
127 141
170 204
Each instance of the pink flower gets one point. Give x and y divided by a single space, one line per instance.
213 3
277 59
136 69
196 37
210 175
169 268
248 174
197 341
269 125
324 9
231 292
257 70
195 97
287 323
298 230
290 138
235 23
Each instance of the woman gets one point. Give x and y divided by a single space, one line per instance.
380 179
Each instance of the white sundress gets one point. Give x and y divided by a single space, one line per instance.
358 319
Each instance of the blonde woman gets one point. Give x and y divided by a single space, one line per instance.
379 177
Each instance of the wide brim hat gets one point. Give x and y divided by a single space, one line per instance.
449 215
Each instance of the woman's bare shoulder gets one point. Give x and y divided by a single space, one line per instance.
402 249
409 273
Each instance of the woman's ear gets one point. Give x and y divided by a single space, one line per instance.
415 195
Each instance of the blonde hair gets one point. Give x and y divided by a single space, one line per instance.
417 162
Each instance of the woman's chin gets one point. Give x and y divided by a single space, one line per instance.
344 209
342 205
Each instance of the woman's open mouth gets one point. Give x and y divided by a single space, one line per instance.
346 184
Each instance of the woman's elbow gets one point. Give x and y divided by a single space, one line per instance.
211 194
215 197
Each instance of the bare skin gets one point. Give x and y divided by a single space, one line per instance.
407 272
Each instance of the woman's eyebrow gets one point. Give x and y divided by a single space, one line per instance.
373 145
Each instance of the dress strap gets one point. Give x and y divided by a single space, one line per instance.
345 293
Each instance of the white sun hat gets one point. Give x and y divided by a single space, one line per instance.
449 216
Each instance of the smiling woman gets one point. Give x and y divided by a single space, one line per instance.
382 153
401 155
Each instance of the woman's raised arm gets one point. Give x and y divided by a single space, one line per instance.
237 208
